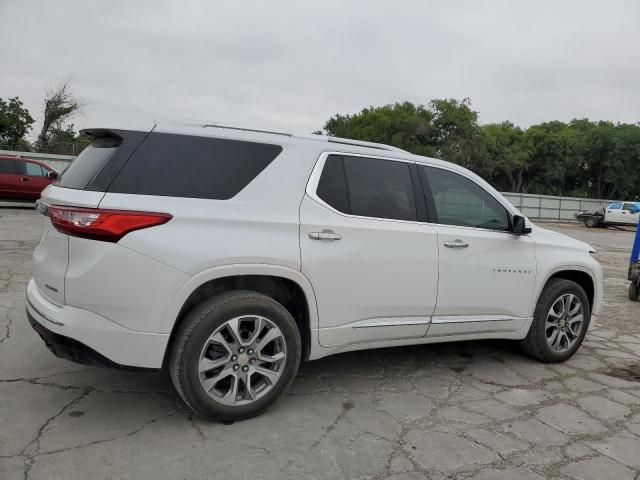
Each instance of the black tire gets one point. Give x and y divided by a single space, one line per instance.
591 222
634 291
201 322
535 344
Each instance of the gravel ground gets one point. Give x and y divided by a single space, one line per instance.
461 410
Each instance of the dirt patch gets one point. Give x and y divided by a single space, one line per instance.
630 373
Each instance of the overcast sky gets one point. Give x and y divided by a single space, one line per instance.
293 64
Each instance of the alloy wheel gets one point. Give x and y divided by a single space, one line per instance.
564 322
242 360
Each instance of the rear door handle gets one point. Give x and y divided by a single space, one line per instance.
325 235
456 244
24 179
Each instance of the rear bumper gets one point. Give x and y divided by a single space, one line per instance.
70 349
84 337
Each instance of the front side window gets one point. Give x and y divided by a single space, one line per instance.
368 187
615 206
32 169
460 201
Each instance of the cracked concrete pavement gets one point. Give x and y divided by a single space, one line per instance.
476 410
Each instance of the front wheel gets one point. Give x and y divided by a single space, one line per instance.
234 355
560 322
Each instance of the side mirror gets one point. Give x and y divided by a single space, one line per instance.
518 226
53 175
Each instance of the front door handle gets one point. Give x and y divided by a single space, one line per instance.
24 179
325 235
456 244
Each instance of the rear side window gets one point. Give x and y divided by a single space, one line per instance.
7 166
194 167
368 187
460 201
332 187
89 162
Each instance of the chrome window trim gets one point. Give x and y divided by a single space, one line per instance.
314 179
391 322
450 319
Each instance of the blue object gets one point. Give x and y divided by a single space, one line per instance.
635 251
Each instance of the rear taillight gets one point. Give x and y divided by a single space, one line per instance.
105 225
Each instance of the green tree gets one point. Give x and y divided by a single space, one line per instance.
65 141
579 158
402 125
622 176
15 123
458 137
508 152
555 158
597 145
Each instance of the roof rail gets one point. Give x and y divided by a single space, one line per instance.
348 141
360 143
244 129
313 136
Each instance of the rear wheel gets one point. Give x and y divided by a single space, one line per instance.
634 291
560 322
234 355
591 222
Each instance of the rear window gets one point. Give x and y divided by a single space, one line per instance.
88 163
7 166
194 167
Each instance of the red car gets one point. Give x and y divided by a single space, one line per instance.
23 178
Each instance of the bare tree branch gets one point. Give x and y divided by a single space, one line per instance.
60 105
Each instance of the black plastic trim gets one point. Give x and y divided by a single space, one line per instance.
428 195
418 193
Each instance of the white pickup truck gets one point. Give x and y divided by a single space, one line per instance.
617 213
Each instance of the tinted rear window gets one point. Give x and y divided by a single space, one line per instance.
368 187
195 167
380 188
84 168
332 187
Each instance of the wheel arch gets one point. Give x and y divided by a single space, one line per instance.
577 274
285 285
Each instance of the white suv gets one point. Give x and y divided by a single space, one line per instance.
228 255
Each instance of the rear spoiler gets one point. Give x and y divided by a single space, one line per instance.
95 133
